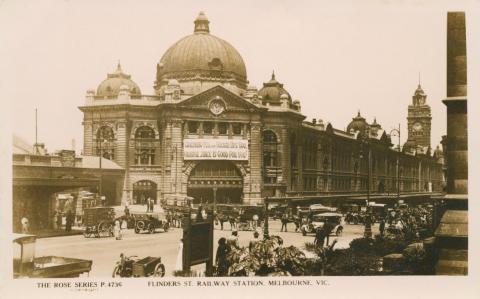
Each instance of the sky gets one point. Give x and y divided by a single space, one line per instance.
335 57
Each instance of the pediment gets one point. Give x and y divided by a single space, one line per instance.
215 97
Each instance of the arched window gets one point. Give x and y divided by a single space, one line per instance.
144 146
270 156
105 142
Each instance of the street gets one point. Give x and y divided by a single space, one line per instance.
104 252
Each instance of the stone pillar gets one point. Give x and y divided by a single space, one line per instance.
176 151
121 157
456 102
87 137
285 156
251 192
121 144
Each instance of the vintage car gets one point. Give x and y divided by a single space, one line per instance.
25 264
318 221
150 222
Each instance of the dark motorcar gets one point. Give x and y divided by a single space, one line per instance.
318 221
150 222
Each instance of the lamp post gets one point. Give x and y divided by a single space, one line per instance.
366 146
396 132
265 225
100 155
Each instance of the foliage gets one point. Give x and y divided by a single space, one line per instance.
362 245
360 259
389 244
309 246
417 259
351 262
267 257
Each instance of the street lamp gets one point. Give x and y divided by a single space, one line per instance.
265 225
365 139
365 145
100 155
396 132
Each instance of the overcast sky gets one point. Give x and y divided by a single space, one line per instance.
336 59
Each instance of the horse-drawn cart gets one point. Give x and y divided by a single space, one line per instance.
98 222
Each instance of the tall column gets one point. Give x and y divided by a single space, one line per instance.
121 156
176 155
254 190
456 102
87 137
285 156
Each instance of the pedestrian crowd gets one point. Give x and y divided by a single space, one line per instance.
411 220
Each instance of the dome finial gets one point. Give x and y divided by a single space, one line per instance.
201 23
358 114
273 74
119 67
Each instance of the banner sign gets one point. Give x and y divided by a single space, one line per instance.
215 149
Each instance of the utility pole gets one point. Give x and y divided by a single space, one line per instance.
396 131
99 141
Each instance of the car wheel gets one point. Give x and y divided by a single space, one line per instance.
151 228
159 270
166 227
116 271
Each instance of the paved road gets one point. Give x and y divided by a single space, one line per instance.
106 251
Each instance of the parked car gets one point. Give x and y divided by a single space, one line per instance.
150 222
318 221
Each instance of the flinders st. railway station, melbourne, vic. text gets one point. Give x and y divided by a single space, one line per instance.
206 127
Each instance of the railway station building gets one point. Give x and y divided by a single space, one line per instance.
206 132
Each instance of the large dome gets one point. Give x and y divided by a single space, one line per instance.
110 87
202 56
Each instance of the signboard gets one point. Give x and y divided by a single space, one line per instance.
197 243
215 149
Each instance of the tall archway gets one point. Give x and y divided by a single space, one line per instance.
105 143
215 180
142 190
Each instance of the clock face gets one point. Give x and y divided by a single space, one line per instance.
417 127
217 106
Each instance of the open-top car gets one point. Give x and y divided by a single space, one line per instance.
150 222
319 220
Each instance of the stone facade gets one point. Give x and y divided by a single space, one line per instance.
287 156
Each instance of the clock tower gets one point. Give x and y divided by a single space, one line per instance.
419 121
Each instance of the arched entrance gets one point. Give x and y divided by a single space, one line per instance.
215 179
142 190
